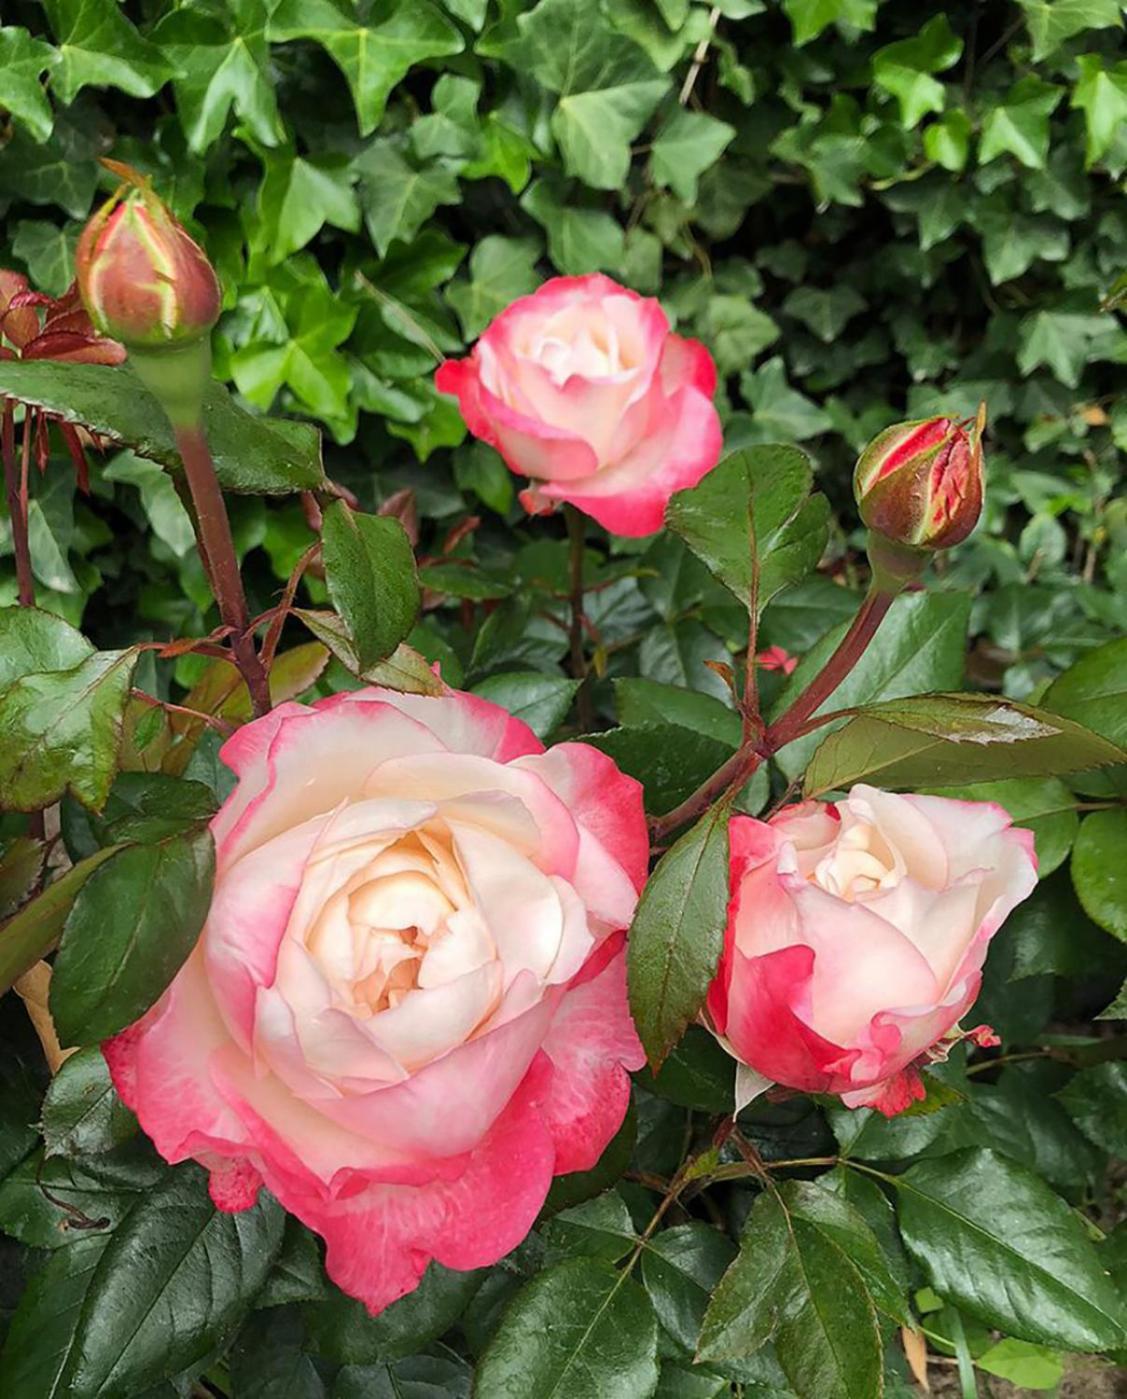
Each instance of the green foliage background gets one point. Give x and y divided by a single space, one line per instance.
867 211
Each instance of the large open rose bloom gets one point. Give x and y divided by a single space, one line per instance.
407 1009
856 937
582 387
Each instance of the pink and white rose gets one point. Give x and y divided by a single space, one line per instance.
856 937
582 387
407 1010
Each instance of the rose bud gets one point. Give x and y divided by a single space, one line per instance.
143 280
583 388
856 937
919 484
406 1012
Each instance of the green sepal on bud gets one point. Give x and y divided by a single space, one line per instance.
147 283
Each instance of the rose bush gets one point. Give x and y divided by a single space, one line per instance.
856 936
407 1009
582 387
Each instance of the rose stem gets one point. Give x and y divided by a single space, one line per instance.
744 761
219 551
576 533
17 501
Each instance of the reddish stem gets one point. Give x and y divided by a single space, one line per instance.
219 553
17 503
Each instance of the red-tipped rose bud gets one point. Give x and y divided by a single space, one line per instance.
919 484
143 280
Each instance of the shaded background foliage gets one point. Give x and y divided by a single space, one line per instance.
866 212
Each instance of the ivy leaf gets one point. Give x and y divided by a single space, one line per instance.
127 934
1051 22
1020 124
501 270
99 47
579 1328
370 571
579 240
48 251
299 195
780 412
994 1239
372 57
904 69
23 61
222 63
825 312
62 171
1061 340
1101 94
173 1283
947 141
684 149
809 17
1013 241
678 933
61 730
398 196
736 332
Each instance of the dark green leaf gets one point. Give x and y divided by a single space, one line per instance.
298 1274
541 701
21 869
130 928
1097 1100
600 1228
996 1241
370 570
579 1330
698 1073
678 932
82 1115
49 1202
341 1329
268 1362
1099 869
680 1267
670 761
173 1284
253 455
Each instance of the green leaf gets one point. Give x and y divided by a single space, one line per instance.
299 195
33 641
397 196
755 505
253 455
680 1268
222 62
61 731
792 1280
444 1376
1101 94
595 128
372 57
669 760
687 144
268 1362
33 930
82 1115
341 1329
99 47
541 701
1099 870
920 646
403 670
780 413
41 1333
678 933
173 1284
640 701
579 240
21 869
1051 22
48 251
809 17
1020 124
996 1241
579 1330
1023 1364
501 270
49 1202
129 931
1094 691
945 739
298 1274
1060 340
736 332
142 806
1044 806
826 313
370 572
1096 1100
23 61
947 142
903 69
599 1228
698 1073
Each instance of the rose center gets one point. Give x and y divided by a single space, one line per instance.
859 862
